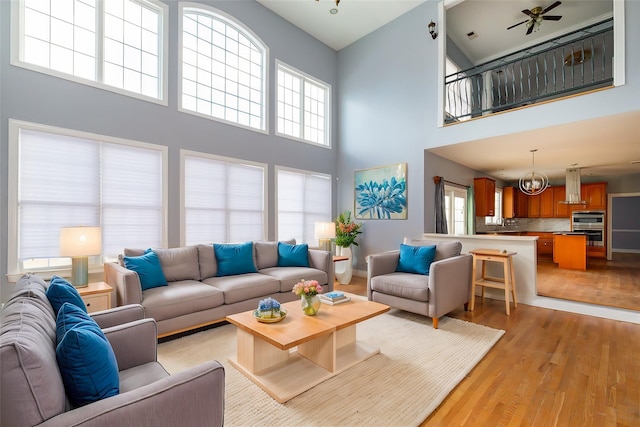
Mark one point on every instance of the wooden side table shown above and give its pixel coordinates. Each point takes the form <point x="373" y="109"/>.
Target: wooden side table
<point x="508" y="282"/>
<point x="97" y="296"/>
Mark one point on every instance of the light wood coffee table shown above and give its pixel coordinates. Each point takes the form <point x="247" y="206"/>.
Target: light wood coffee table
<point x="291" y="356"/>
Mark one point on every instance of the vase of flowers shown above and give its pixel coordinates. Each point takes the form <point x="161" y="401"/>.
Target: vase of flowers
<point x="346" y="230"/>
<point x="308" y="291"/>
<point x="346" y="233"/>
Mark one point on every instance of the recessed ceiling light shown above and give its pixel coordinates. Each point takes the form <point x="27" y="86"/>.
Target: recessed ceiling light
<point x="333" y="11"/>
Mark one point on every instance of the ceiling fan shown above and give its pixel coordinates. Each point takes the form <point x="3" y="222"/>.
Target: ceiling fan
<point x="536" y="16"/>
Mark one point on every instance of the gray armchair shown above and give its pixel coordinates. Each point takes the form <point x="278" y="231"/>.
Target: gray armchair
<point x="32" y="392"/>
<point x="447" y="287"/>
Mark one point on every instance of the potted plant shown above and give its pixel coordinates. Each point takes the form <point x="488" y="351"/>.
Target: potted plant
<point x="346" y="232"/>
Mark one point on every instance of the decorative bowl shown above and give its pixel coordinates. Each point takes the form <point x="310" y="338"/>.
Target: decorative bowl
<point x="283" y="314"/>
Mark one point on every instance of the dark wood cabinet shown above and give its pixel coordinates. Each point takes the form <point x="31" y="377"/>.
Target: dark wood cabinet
<point x="544" y="244"/>
<point x="485" y="196"/>
<point x="514" y="203"/>
<point x="561" y="210"/>
<point x="595" y="194"/>
<point x="534" y="206"/>
<point x="546" y="203"/>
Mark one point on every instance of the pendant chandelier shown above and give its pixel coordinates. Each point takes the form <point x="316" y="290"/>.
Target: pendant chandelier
<point x="533" y="183"/>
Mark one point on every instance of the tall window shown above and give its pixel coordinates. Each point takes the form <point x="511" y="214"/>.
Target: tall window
<point x="458" y="92"/>
<point x="303" y="106"/>
<point x="65" y="178"/>
<point x="497" y="218"/>
<point x="223" y="199"/>
<point x="224" y="69"/>
<point x="455" y="200"/>
<point x="303" y="199"/>
<point x="115" y="44"/>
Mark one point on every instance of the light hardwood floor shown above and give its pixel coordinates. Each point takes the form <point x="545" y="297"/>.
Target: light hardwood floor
<point x="551" y="368"/>
<point x="614" y="283"/>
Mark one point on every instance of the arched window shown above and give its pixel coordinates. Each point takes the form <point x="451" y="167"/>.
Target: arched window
<point x="223" y="70"/>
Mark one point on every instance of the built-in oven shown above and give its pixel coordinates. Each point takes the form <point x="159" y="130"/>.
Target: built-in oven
<point x="590" y="223"/>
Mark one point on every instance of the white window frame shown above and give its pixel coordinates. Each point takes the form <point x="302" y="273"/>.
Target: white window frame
<point x="453" y="192"/>
<point x="17" y="51"/>
<point x="206" y="156"/>
<point x="13" y="264"/>
<point x="496" y="219"/>
<point x="309" y="225"/>
<point x="281" y="66"/>
<point x="246" y="32"/>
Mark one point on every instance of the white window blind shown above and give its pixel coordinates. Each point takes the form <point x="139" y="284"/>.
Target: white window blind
<point x="223" y="69"/>
<point x="223" y="200"/>
<point x="303" y="106"/>
<point x="304" y="198"/>
<point x="64" y="180"/>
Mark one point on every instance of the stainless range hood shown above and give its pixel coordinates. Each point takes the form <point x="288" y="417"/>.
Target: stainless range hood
<point x="572" y="188"/>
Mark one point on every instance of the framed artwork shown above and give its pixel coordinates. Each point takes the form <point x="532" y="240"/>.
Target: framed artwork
<point x="381" y="193"/>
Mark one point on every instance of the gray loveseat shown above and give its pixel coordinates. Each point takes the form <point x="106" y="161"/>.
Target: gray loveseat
<point x="196" y="297"/>
<point x="32" y="389"/>
<point x="445" y="288"/>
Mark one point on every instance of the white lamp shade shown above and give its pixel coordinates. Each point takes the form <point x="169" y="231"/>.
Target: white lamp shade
<point x="325" y="230"/>
<point x="80" y="241"/>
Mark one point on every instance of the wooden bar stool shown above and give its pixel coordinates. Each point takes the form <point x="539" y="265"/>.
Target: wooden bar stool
<point x="508" y="283"/>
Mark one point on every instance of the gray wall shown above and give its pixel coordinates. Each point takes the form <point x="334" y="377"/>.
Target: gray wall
<point x="388" y="113"/>
<point x="39" y="98"/>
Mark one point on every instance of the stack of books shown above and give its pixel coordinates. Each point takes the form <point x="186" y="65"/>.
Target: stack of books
<point x="334" y="297"/>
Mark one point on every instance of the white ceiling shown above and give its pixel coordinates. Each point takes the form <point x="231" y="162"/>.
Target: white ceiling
<point x="354" y="20"/>
<point x="604" y="147"/>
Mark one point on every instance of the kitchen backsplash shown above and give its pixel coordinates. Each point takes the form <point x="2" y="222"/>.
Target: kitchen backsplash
<point x="526" y="224"/>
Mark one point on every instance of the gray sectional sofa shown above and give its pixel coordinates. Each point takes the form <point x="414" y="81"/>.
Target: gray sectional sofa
<point x="32" y="386"/>
<point x="196" y="296"/>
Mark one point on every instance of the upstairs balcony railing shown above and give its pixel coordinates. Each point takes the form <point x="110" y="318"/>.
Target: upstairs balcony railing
<point x="576" y="62"/>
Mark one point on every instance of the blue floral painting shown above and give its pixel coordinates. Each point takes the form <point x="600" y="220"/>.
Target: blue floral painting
<point x="381" y="193"/>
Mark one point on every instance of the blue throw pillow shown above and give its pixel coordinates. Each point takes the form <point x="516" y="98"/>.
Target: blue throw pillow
<point x="61" y="291"/>
<point x="234" y="258"/>
<point x="293" y="255"/>
<point x="148" y="268"/>
<point x="85" y="358"/>
<point x="416" y="259"/>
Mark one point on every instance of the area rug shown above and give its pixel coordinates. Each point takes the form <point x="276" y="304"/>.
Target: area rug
<point x="417" y="368"/>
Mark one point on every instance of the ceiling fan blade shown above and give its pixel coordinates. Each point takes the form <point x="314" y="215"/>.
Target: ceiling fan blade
<point x="515" y="25"/>
<point x="528" y="13"/>
<point x="556" y="4"/>
<point x="552" y="18"/>
<point x="530" y="30"/>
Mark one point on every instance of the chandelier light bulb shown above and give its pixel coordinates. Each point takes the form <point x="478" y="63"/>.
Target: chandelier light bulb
<point x="533" y="183"/>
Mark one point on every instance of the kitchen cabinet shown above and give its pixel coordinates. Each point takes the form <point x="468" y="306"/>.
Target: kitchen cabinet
<point x="485" y="196"/>
<point x="514" y="203"/>
<point x="570" y="251"/>
<point x="544" y="244"/>
<point x="561" y="210"/>
<point x="595" y="194"/>
<point x="533" y="210"/>
<point x="546" y="203"/>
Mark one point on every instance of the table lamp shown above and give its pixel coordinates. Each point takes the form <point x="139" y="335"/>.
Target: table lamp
<point x="79" y="243"/>
<point x="325" y="231"/>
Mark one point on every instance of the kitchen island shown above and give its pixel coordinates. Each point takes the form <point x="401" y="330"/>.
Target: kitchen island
<point x="570" y="250"/>
<point x="525" y="267"/>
